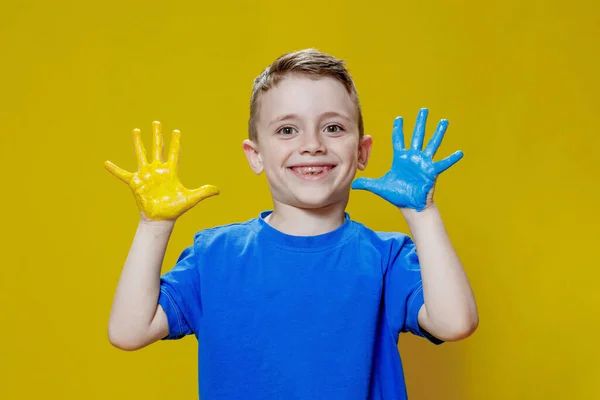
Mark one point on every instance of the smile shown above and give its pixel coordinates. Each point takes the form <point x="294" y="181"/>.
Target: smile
<point x="312" y="172"/>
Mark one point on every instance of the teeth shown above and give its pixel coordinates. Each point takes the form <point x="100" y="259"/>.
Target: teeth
<point x="312" y="170"/>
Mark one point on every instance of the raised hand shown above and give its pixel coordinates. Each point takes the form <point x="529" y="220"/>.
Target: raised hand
<point x="158" y="192"/>
<point x="411" y="179"/>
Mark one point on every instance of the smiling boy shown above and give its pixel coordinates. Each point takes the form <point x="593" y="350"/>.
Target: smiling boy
<point x="301" y="302"/>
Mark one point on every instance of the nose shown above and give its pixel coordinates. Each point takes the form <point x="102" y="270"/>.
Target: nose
<point x="312" y="143"/>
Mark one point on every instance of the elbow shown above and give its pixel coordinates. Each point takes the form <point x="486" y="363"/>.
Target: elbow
<point x="122" y="341"/>
<point x="451" y="326"/>
<point x="465" y="330"/>
<point x="460" y="329"/>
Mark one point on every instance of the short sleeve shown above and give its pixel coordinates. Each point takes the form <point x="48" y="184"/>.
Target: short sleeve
<point x="404" y="290"/>
<point x="179" y="295"/>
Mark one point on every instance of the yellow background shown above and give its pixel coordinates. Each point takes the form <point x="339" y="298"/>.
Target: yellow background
<point x="517" y="80"/>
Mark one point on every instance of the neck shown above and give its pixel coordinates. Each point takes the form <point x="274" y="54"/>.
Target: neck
<point x="306" y="221"/>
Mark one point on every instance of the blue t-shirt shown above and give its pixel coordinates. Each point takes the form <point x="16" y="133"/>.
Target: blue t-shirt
<point x="295" y="317"/>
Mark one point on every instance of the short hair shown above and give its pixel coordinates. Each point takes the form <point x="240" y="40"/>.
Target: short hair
<point x="309" y="62"/>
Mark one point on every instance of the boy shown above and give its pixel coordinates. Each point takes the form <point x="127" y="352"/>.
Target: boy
<point x="301" y="302"/>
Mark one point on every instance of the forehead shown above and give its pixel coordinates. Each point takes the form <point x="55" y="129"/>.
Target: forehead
<point x="306" y="97"/>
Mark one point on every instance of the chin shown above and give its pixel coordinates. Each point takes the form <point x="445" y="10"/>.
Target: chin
<point x="316" y="200"/>
<point x="311" y="205"/>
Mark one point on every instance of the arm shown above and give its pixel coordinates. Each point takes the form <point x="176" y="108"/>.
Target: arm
<point x="136" y="318"/>
<point x="449" y="311"/>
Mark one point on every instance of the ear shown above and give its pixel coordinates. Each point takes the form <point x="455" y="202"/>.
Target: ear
<point x="253" y="156"/>
<point x="364" y="151"/>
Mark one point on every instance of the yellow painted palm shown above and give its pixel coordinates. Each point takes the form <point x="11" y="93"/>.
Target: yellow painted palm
<point x="158" y="192"/>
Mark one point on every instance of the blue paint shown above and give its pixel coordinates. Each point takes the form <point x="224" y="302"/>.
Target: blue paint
<point x="413" y="172"/>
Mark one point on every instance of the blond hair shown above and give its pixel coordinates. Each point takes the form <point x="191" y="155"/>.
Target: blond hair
<point x="309" y="62"/>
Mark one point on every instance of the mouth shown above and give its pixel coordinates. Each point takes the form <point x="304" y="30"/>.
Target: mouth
<point x="312" y="172"/>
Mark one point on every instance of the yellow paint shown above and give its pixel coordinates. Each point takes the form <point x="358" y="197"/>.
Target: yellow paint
<point x="158" y="192"/>
<point x="518" y="81"/>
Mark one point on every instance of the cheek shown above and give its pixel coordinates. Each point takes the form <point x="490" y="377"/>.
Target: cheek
<point x="350" y="151"/>
<point x="274" y="157"/>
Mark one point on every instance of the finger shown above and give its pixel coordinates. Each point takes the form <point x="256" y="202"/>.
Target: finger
<point x="120" y="173"/>
<point x="398" y="134"/>
<point x="365" y="184"/>
<point x="140" y="151"/>
<point x="437" y="138"/>
<point x="419" y="132"/>
<point x="447" y="162"/>
<point x="201" y="193"/>
<point x="174" y="150"/>
<point x="157" y="142"/>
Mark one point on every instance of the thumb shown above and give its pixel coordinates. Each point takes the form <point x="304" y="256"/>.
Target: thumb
<point x="201" y="193"/>
<point x="365" y="184"/>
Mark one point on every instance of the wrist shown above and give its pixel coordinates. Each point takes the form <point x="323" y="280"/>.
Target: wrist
<point x="160" y="225"/>
<point x="414" y="216"/>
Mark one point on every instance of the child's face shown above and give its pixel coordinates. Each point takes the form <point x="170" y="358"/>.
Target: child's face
<point x="308" y="142"/>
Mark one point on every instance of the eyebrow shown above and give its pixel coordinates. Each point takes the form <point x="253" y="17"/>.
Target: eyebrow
<point x="327" y="114"/>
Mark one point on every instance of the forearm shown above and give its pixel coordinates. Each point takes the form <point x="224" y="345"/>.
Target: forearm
<point x="136" y="298"/>
<point x="450" y="312"/>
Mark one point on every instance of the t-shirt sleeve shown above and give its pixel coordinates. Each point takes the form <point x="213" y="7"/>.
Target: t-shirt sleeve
<point x="179" y="295"/>
<point x="404" y="290"/>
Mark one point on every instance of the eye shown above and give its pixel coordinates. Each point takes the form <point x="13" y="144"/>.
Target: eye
<point x="334" y="129"/>
<point x="286" y="131"/>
